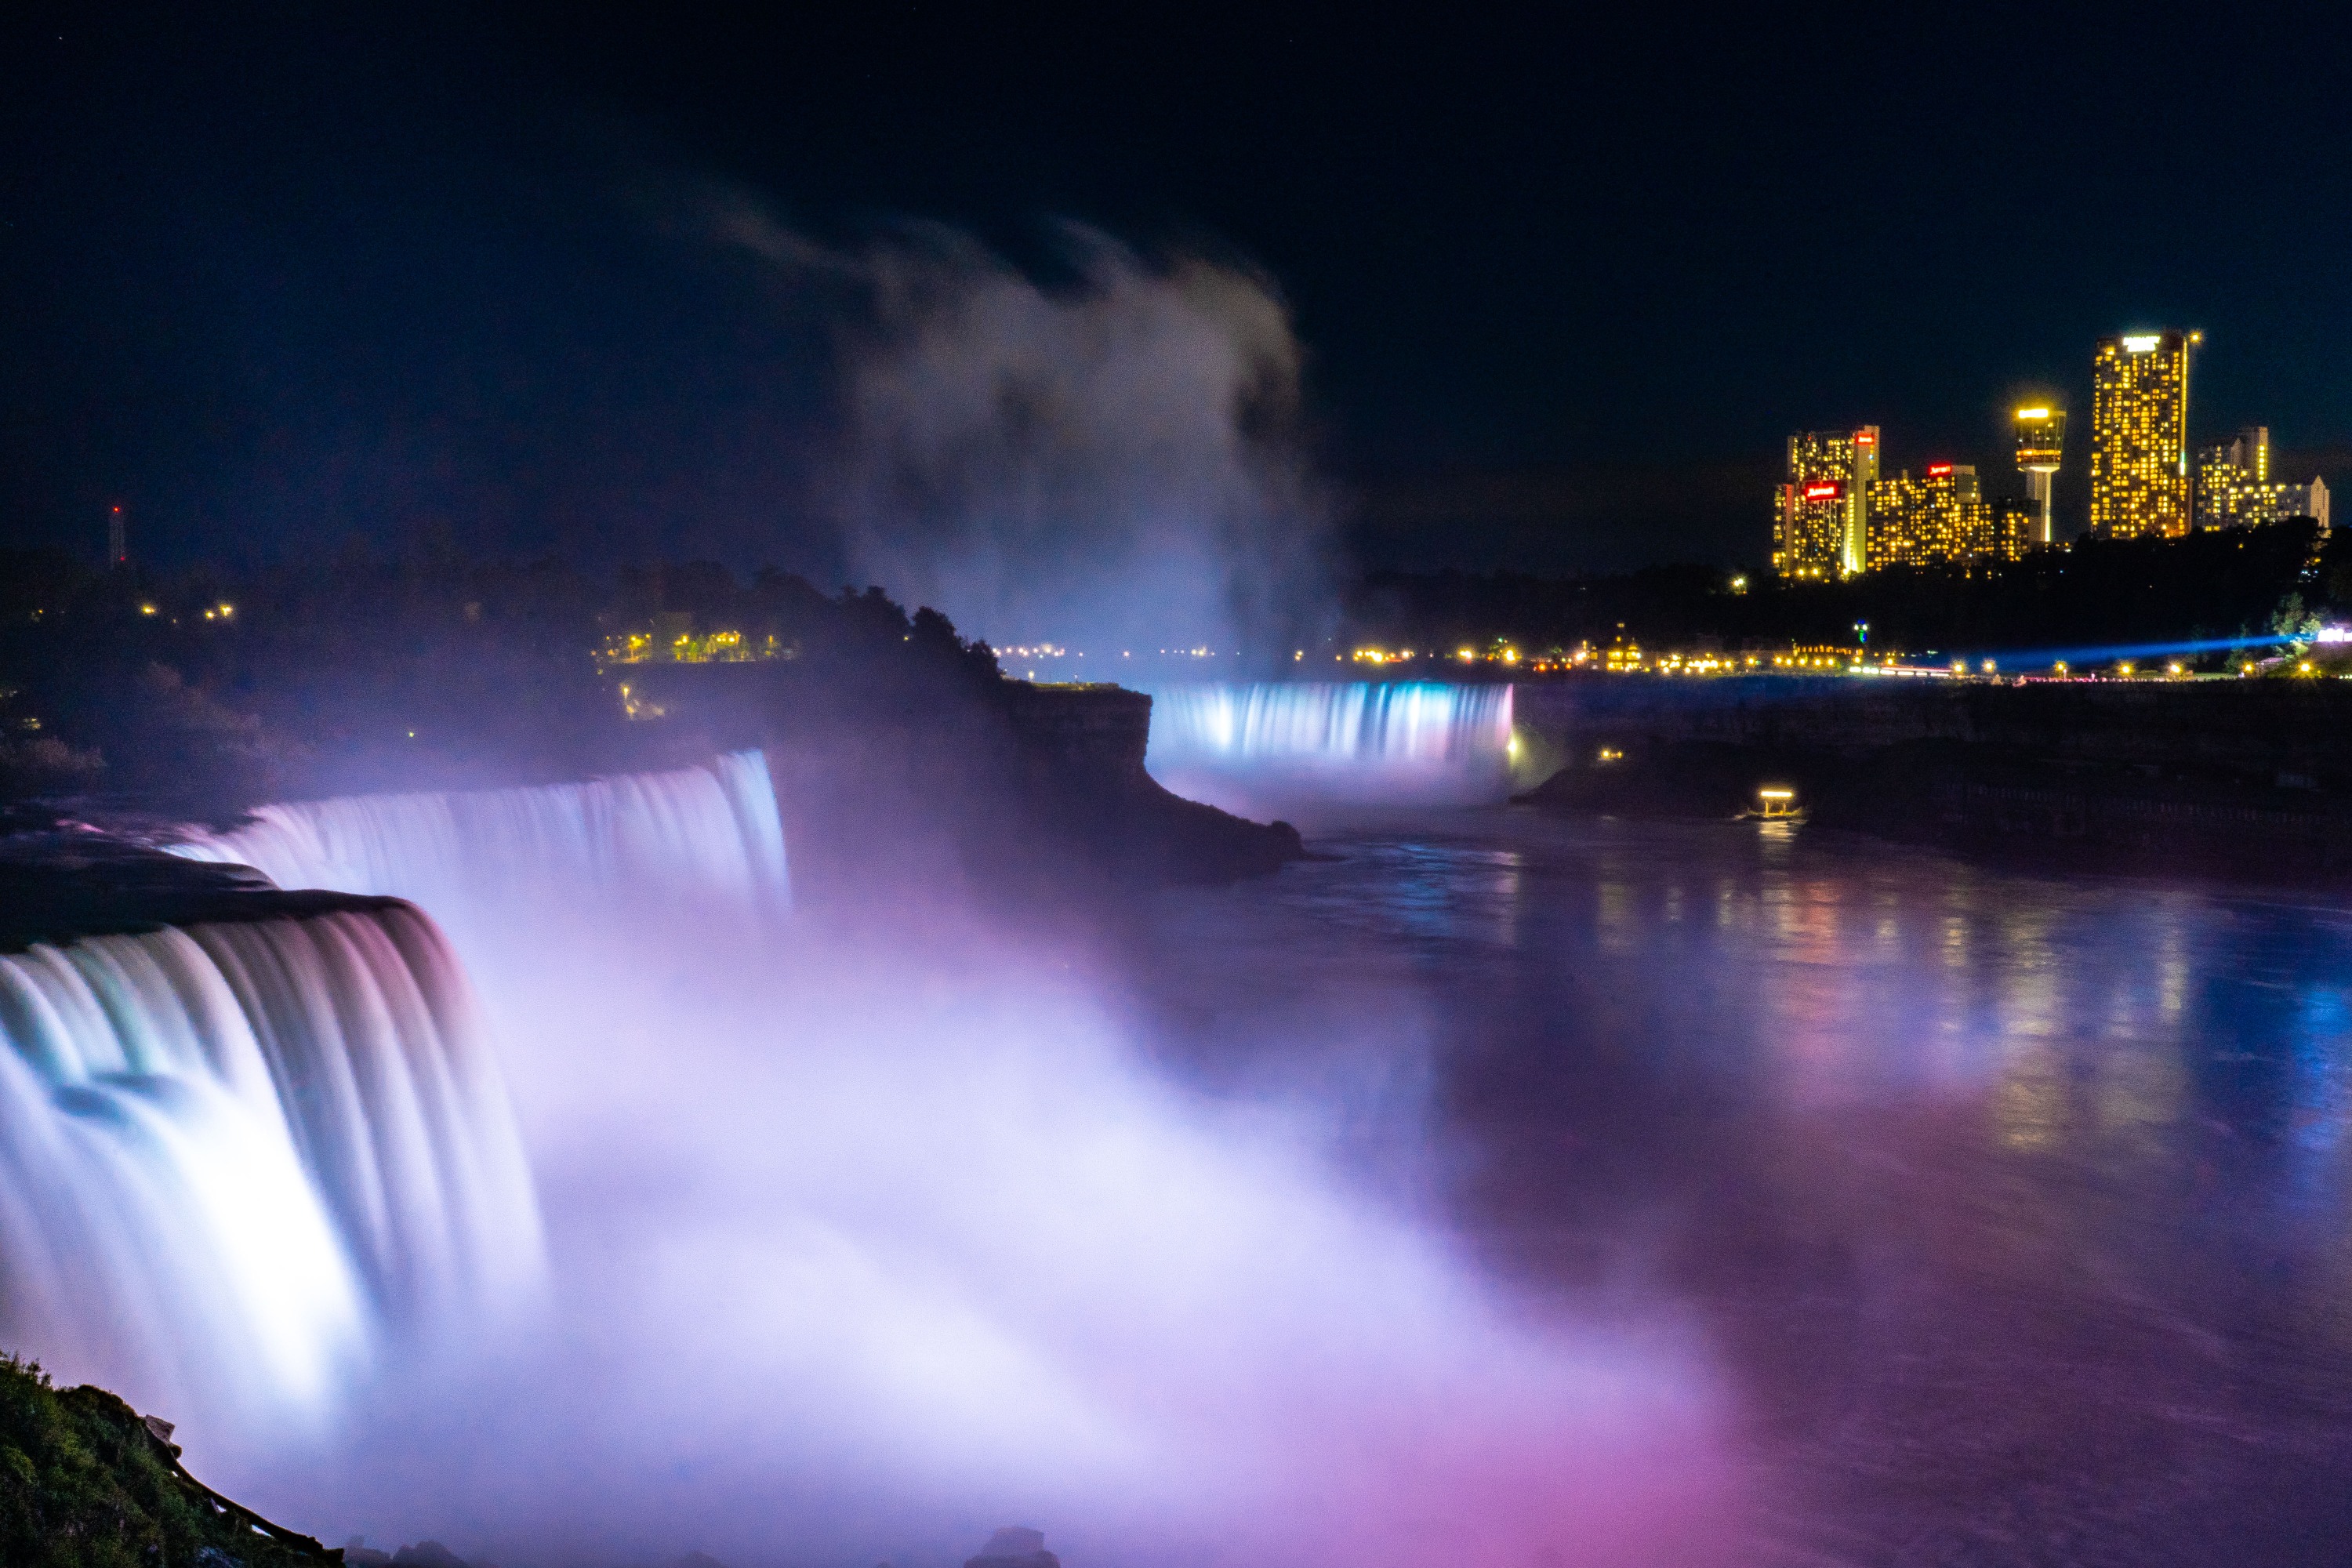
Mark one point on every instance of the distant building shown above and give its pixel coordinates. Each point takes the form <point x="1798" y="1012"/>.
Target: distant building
<point x="2041" y="438"/>
<point x="2250" y="454"/>
<point x="2235" y="490"/>
<point x="1819" y="526"/>
<point x="2308" y="500"/>
<point x="2232" y="477"/>
<point x="1939" y="518"/>
<point x="2018" y="526"/>
<point x="118" y="544"/>
<point x="2140" y="434"/>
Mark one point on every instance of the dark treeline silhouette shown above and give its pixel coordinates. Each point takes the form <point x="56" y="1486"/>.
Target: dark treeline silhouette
<point x="2223" y="583"/>
<point x="202" y="689"/>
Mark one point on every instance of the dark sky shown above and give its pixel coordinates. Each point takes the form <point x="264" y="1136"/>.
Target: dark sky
<point x="1566" y="276"/>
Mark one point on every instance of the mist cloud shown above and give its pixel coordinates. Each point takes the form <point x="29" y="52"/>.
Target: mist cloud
<point x="1111" y="462"/>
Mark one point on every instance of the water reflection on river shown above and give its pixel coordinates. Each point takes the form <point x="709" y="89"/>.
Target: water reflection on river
<point x="2014" y="1207"/>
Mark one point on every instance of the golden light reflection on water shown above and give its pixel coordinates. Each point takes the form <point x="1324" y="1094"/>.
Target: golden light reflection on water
<point x="1509" y="895"/>
<point x="2029" y="1104"/>
<point x="2017" y="1002"/>
<point x="2134" y="1089"/>
<point x="2061" y="1142"/>
<point x="1615" y="917"/>
<point x="1953" y="947"/>
<point x="2172" y="966"/>
<point x="2067" y="1017"/>
<point x="1964" y="986"/>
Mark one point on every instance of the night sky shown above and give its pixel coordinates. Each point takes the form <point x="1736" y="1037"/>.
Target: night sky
<point x="1566" y="280"/>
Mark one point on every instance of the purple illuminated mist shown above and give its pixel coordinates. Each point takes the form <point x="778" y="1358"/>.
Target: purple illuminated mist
<point x="865" y="1235"/>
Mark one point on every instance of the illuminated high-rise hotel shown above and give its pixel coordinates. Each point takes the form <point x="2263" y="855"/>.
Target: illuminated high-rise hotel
<point x="2140" y="434"/>
<point x="1941" y="518"/>
<point x="2234" y="487"/>
<point x="2232" y="480"/>
<point x="2040" y="438"/>
<point x="1822" y="513"/>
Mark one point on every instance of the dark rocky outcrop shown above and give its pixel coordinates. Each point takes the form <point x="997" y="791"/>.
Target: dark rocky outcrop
<point x="1014" y="1546"/>
<point x="357" y="1554"/>
<point x="66" y="880"/>
<point x="1080" y="752"/>
<point x="85" y="1482"/>
<point x="430" y="1554"/>
<point x="904" y="739"/>
<point x="1011" y="785"/>
<point x="899" y="741"/>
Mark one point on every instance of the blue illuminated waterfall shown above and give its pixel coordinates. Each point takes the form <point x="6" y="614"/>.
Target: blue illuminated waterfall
<point x="241" y="1162"/>
<point x="1246" y="744"/>
<point x="236" y="1158"/>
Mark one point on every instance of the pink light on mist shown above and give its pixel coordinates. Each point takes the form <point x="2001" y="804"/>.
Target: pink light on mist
<point x="863" y="1242"/>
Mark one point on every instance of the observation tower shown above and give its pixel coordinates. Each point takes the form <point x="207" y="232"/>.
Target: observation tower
<point x="2041" y="435"/>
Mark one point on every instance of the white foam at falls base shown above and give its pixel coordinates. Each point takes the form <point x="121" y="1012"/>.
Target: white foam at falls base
<point x="1238" y="744"/>
<point x="236" y="1158"/>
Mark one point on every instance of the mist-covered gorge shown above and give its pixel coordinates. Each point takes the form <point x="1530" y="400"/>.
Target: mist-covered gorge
<point x="875" y="1218"/>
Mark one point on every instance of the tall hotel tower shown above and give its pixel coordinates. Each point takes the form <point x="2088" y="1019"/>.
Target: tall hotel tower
<point x="2140" y="434"/>
<point x="1822" y="514"/>
<point x="2040" y="438"/>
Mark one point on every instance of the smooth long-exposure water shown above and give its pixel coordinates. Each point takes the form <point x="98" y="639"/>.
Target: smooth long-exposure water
<point x="873" y="1227"/>
<point x="1495" y="1188"/>
<point x="2012" y="1208"/>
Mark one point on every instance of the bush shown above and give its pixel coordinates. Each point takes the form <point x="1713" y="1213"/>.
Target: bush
<point x="84" y="1483"/>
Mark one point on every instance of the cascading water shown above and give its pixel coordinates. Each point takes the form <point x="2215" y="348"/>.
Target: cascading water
<point x="636" y="846"/>
<point x="236" y="1159"/>
<point x="871" y="1239"/>
<point x="1245" y="744"/>
<point x="242" y="1159"/>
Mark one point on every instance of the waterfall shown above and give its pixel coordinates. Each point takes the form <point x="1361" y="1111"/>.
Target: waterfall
<point x="910" y="1219"/>
<point x="237" y="1159"/>
<point x="638" y="845"/>
<point x="1363" y="741"/>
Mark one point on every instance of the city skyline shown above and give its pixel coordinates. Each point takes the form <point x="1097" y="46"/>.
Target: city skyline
<point x="1835" y="515"/>
<point x="276" y="284"/>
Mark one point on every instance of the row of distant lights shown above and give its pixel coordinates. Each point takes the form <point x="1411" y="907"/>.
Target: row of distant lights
<point x="225" y="610"/>
<point x="1050" y="650"/>
<point x="1405" y="656"/>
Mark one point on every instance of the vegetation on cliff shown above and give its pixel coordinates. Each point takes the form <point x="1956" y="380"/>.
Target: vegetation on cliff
<point x="202" y="692"/>
<point x="198" y="696"/>
<point x="86" y="1483"/>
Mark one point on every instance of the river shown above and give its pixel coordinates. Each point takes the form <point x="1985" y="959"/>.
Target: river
<point x="1496" y="1187"/>
<point x="2010" y="1209"/>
